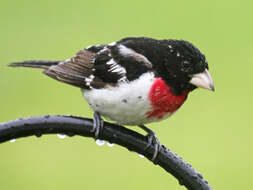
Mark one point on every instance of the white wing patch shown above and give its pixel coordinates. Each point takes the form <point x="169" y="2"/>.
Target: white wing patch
<point x="89" y="79"/>
<point x="112" y="44"/>
<point x="125" y="51"/>
<point x="103" y="50"/>
<point x="116" y="68"/>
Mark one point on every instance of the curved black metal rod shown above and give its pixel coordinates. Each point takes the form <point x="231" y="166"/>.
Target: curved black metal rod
<point x="113" y="133"/>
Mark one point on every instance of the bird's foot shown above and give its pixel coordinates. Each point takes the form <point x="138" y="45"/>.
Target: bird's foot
<point x="98" y="124"/>
<point x="152" y="140"/>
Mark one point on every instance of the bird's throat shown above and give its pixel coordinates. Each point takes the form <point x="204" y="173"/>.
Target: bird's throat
<point x="163" y="100"/>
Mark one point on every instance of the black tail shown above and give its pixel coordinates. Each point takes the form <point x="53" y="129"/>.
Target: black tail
<point x="42" y="64"/>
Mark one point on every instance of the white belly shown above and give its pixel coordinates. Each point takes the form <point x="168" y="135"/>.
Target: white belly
<point x="126" y="104"/>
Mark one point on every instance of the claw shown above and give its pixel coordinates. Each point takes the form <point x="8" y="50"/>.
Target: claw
<point x="152" y="139"/>
<point x="98" y="124"/>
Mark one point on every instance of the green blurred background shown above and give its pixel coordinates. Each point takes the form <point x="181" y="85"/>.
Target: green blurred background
<point x="212" y="131"/>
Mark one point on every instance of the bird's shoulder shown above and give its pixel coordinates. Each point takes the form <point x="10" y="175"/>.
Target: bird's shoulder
<point x="118" y="62"/>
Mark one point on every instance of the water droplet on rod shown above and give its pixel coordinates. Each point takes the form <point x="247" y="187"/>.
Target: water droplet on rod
<point x="61" y="136"/>
<point x="100" y="142"/>
<point x="141" y="156"/>
<point x="12" y="140"/>
<point x="110" y="144"/>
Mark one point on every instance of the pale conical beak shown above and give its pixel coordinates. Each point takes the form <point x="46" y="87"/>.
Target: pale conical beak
<point x="203" y="80"/>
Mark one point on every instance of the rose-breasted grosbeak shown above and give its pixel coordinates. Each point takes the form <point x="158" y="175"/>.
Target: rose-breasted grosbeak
<point x="133" y="81"/>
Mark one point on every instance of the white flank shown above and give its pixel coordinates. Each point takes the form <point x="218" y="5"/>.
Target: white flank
<point x="125" y="51"/>
<point x="126" y="103"/>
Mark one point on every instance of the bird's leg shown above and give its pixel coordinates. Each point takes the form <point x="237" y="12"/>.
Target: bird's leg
<point x="98" y="124"/>
<point x="152" y="139"/>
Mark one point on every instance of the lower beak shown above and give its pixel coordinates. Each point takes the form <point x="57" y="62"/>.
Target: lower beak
<point x="203" y="80"/>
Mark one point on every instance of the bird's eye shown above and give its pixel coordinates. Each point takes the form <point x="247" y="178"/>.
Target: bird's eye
<point x="186" y="66"/>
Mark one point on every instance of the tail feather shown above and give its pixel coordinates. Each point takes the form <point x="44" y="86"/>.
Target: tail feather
<point x="42" y="64"/>
<point x="77" y="71"/>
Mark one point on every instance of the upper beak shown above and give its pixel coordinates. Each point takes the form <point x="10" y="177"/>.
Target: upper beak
<point x="203" y="80"/>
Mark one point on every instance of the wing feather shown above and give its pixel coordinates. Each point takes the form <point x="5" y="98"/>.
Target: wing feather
<point x="101" y="66"/>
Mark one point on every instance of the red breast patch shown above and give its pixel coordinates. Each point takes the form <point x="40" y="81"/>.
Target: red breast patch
<point x="164" y="101"/>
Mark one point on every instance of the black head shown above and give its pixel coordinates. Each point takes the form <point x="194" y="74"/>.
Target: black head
<point x="178" y="62"/>
<point x="183" y="66"/>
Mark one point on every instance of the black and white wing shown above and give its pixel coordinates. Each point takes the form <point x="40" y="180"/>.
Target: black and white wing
<point x="101" y="66"/>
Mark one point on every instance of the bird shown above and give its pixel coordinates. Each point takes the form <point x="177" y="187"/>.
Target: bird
<point x="133" y="81"/>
